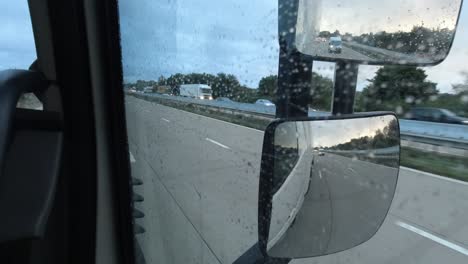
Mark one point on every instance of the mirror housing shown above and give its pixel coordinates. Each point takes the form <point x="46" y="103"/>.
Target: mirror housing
<point x="403" y="32"/>
<point x="321" y="192"/>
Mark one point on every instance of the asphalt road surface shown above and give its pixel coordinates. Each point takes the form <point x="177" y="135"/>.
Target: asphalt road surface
<point x="352" y="196"/>
<point x="201" y="185"/>
<point x="320" y="48"/>
<point x="394" y="56"/>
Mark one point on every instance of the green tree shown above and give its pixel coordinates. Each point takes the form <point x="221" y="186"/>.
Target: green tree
<point x="461" y="88"/>
<point x="175" y="80"/>
<point x="162" y="80"/>
<point x="321" y="92"/>
<point x="141" y="84"/>
<point x="419" y="40"/>
<point x="268" y="85"/>
<point x="324" y="34"/>
<point x="336" y="33"/>
<point x="224" y="85"/>
<point x="199" y="78"/>
<point x="397" y="86"/>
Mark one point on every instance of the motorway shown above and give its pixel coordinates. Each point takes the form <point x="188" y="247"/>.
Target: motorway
<point x="201" y="185"/>
<point x="437" y="132"/>
<point x="352" y="196"/>
<point x="395" y="56"/>
<point x="320" y="49"/>
<point x="356" y="51"/>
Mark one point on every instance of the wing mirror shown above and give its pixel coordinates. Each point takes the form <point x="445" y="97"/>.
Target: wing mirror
<point x="409" y="32"/>
<point x="326" y="184"/>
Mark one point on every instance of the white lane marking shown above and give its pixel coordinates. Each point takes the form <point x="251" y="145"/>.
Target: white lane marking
<point x="132" y="158"/>
<point x="435" y="176"/>
<point x="217" y="143"/>
<point x="433" y="237"/>
<point x="164" y="119"/>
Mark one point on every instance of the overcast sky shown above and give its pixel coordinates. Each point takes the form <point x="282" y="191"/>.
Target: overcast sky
<point x="232" y="36"/>
<point x="16" y="40"/>
<point x="324" y="132"/>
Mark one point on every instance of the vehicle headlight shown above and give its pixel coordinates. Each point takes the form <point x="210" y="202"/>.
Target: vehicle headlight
<point x="201" y="97"/>
<point x="465" y="122"/>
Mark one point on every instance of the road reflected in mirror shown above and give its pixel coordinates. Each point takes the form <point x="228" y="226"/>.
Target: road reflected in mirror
<point x="377" y="32"/>
<point x="333" y="186"/>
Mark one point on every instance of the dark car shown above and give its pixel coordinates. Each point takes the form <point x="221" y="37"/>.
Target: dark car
<point x="335" y="45"/>
<point x="435" y="115"/>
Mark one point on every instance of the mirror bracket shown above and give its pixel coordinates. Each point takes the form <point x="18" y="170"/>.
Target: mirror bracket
<point x="294" y="79"/>
<point x="344" y="89"/>
<point x="295" y="68"/>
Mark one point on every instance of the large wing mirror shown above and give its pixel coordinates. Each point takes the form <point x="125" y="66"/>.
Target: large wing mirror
<point x="410" y="32"/>
<point x="326" y="184"/>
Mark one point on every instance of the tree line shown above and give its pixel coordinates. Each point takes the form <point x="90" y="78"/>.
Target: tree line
<point x="418" y="39"/>
<point x="227" y="85"/>
<point x="387" y="137"/>
<point x="393" y="88"/>
<point x="222" y="84"/>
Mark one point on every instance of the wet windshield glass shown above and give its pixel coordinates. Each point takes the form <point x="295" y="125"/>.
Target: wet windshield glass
<point x="200" y="156"/>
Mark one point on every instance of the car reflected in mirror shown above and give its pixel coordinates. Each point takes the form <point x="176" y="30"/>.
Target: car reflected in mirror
<point x="326" y="185"/>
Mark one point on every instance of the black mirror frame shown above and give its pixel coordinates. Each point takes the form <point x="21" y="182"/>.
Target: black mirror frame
<point x="265" y="195"/>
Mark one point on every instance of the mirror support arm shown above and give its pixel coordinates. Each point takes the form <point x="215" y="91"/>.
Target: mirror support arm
<point x="294" y="70"/>
<point x="344" y="89"/>
<point x="294" y="81"/>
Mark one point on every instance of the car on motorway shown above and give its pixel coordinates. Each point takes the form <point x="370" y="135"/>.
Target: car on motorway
<point x="335" y="45"/>
<point x="432" y="114"/>
<point x="264" y="102"/>
<point x="320" y="39"/>
<point x="148" y="90"/>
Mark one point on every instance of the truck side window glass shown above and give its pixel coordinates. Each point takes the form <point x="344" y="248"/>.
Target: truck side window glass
<point x="201" y="85"/>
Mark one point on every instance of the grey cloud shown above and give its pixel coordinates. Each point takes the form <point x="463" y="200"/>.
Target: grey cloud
<point x="237" y="37"/>
<point x="168" y="36"/>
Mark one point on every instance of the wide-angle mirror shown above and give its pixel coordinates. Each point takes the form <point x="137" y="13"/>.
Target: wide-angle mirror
<point x="326" y="185"/>
<point x="411" y="32"/>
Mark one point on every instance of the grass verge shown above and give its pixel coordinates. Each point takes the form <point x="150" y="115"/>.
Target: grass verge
<point x="445" y="165"/>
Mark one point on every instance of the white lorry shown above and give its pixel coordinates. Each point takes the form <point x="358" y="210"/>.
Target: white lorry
<point x="200" y="91"/>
